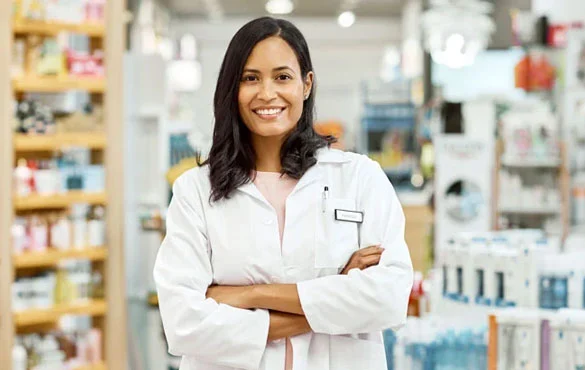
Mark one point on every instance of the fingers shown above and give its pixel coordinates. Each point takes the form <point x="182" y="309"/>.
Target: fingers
<point x="368" y="261"/>
<point x="375" y="249"/>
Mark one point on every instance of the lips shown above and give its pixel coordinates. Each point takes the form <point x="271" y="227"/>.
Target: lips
<point x="268" y="113"/>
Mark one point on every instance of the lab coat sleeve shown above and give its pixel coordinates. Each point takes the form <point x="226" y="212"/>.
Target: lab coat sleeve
<point x="195" y="326"/>
<point x="376" y="298"/>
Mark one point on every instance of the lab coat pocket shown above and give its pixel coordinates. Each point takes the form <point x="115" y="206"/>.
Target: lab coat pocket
<point x="335" y="240"/>
<point x="348" y="353"/>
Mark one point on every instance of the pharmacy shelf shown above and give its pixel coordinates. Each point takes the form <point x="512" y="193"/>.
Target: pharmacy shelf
<point x="531" y="163"/>
<point x="47" y="316"/>
<point x="37" y="202"/>
<point x="97" y="366"/>
<point x="39" y="143"/>
<point x="52" y="257"/>
<point x="530" y="210"/>
<point x="21" y="27"/>
<point x="58" y="84"/>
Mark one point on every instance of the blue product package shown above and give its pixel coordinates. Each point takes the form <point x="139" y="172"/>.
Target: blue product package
<point x="94" y="178"/>
<point x="389" y="342"/>
<point x="560" y="291"/>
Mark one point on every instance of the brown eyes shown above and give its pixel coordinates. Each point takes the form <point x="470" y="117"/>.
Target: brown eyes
<point x="253" y="78"/>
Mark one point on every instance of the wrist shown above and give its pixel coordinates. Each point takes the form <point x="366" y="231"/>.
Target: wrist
<point x="255" y="296"/>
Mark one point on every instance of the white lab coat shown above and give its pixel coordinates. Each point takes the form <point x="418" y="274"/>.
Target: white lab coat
<point x="236" y="242"/>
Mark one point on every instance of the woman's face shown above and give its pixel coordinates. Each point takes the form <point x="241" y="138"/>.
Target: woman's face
<point x="272" y="89"/>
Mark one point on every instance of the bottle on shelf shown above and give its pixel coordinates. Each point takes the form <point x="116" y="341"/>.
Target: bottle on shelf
<point x="22" y="178"/>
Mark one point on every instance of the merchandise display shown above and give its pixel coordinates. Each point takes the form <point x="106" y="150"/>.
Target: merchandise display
<point x="539" y="339"/>
<point x="61" y="138"/>
<point x="49" y="114"/>
<point x="83" y="227"/>
<point x="519" y="268"/>
<point x="532" y="174"/>
<point x="66" y="11"/>
<point x="73" y="282"/>
<point x="437" y="343"/>
<point x="74" y="345"/>
<point x="71" y="171"/>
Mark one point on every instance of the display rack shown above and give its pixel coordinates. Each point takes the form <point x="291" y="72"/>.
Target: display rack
<point x="110" y="313"/>
<point x="560" y="166"/>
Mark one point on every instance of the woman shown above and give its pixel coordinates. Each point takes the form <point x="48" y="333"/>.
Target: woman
<point x="239" y="288"/>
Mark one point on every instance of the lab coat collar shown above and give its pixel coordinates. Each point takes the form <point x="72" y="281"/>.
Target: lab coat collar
<point x="328" y="155"/>
<point x="313" y="174"/>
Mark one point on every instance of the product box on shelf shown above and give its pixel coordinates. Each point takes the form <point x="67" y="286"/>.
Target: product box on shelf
<point x="519" y="332"/>
<point x="512" y="269"/>
<point x="539" y="339"/>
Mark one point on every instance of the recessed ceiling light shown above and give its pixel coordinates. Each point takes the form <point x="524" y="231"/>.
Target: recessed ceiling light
<point x="279" y="6"/>
<point x="346" y="19"/>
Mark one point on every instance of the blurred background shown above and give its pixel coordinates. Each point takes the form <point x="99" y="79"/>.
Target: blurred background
<point x="475" y="109"/>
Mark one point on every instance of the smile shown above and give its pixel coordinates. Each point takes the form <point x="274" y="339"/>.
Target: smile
<point x="268" y="113"/>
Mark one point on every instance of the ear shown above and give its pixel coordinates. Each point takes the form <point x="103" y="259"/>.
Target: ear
<point x="308" y="85"/>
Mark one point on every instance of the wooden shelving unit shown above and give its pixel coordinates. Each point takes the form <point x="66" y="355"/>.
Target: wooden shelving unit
<point x="53" y="28"/>
<point x="36" y="201"/>
<point x="110" y="313"/>
<point x="100" y="366"/>
<point x="53" y="256"/>
<point x="40" y="143"/>
<point x="58" y="84"/>
<point x="46" y="316"/>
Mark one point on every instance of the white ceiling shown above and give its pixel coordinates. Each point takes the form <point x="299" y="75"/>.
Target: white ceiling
<point x="303" y="8"/>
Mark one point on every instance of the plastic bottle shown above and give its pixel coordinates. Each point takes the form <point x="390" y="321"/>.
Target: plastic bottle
<point x="22" y="178"/>
<point x="19" y="358"/>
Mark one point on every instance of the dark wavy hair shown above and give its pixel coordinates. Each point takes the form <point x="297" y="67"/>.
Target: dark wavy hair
<point x="232" y="159"/>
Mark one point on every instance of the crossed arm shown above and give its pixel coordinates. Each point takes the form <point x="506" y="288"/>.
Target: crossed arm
<point x="287" y="318"/>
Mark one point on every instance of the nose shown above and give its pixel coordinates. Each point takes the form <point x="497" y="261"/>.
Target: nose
<point x="267" y="91"/>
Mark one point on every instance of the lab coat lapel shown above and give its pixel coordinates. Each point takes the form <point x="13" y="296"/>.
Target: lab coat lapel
<point x="313" y="174"/>
<point x="253" y="191"/>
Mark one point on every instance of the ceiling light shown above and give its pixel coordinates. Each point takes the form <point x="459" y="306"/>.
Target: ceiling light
<point x="346" y="19"/>
<point x="456" y="44"/>
<point x="279" y="6"/>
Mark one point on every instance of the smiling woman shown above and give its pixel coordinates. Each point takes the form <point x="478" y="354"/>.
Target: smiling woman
<point x="264" y="97"/>
<point x="279" y="247"/>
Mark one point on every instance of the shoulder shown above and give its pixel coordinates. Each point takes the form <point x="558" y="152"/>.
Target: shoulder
<point x="354" y="163"/>
<point x="193" y="182"/>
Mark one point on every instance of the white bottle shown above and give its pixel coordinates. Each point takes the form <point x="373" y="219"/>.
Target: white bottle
<point x="18" y="232"/>
<point x="19" y="360"/>
<point x="79" y="223"/>
<point x="22" y="176"/>
<point x="96" y="229"/>
<point x="61" y="234"/>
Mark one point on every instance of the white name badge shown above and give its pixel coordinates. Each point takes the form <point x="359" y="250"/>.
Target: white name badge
<point x="349" y="216"/>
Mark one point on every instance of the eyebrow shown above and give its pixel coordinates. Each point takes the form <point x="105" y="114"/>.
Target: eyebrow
<point x="277" y="69"/>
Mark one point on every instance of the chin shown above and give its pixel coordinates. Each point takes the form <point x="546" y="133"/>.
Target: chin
<point x="273" y="131"/>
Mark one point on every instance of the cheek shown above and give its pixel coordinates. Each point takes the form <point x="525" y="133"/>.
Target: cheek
<point x="296" y="101"/>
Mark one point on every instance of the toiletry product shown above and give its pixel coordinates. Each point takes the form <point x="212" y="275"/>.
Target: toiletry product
<point x="61" y="233"/>
<point x="39" y="234"/>
<point x="46" y="180"/>
<point x="19" y="237"/>
<point x="22" y="178"/>
<point x="97" y="228"/>
<point x="79" y="223"/>
<point x="94" y="338"/>
<point x="19" y="357"/>
<point x="97" y="286"/>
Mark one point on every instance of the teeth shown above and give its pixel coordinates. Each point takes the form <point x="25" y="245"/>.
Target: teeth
<point x="269" y="111"/>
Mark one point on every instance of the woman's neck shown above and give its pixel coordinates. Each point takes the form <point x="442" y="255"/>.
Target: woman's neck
<point x="267" y="153"/>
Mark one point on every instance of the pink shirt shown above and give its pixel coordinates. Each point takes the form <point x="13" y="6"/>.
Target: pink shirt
<point x="276" y="189"/>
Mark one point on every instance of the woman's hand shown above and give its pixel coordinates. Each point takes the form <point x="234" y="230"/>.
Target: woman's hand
<point x="364" y="258"/>
<point x="235" y="296"/>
